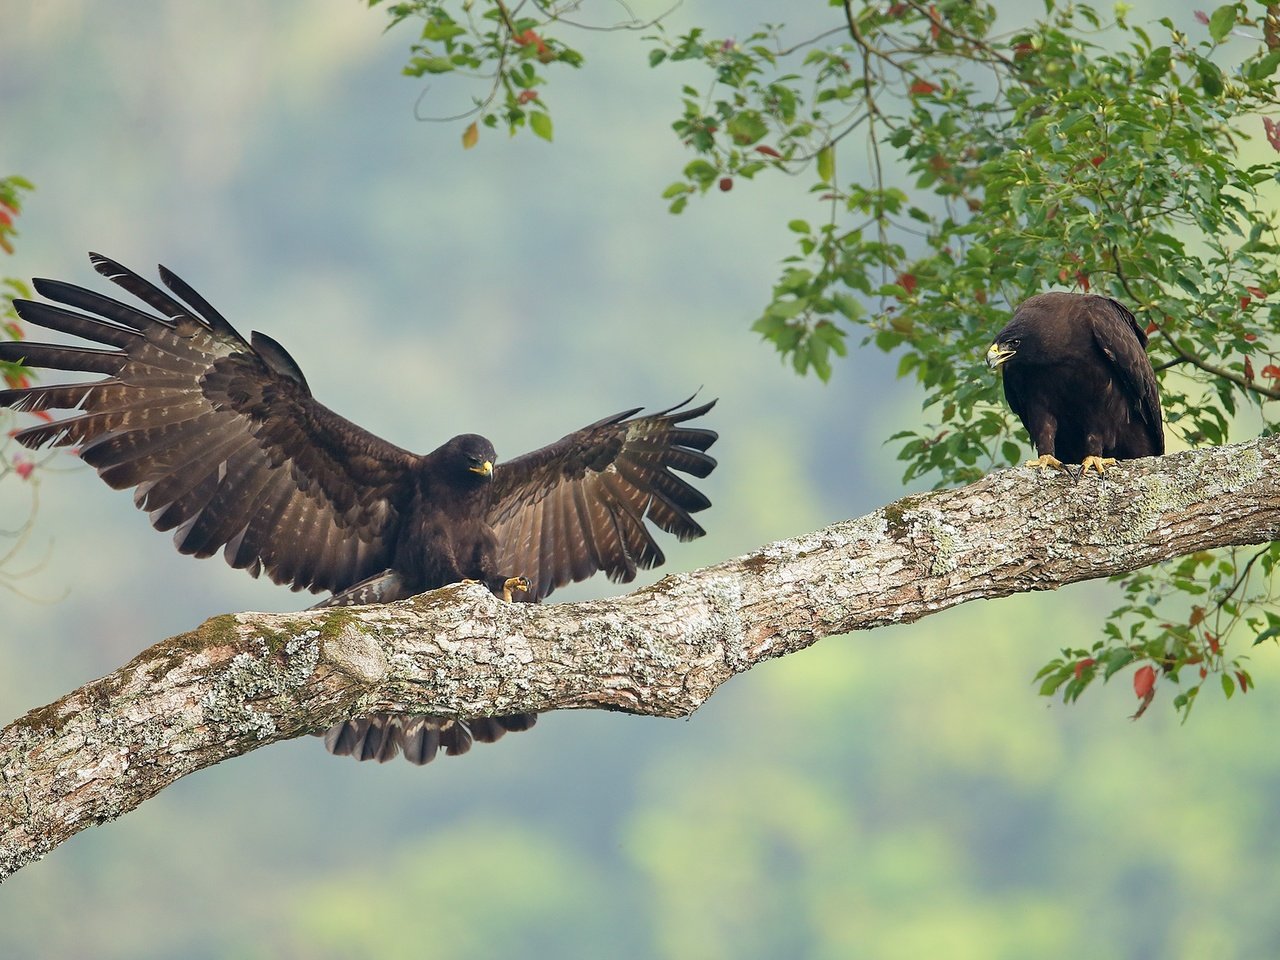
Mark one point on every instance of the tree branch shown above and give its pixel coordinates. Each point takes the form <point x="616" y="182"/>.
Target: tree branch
<point x="241" y="681"/>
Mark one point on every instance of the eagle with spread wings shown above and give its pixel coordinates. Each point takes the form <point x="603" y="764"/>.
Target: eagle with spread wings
<point x="223" y="444"/>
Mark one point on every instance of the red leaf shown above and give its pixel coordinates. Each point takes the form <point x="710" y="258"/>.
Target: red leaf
<point x="528" y="37"/>
<point x="1097" y="161"/>
<point x="526" y="96"/>
<point x="1244" y="302"/>
<point x="1214" y="644"/>
<point x="23" y="467"/>
<point x="726" y="184"/>
<point x="1204" y="672"/>
<point x="935" y="30"/>
<point x="1248" y="370"/>
<point x="1273" y="132"/>
<point x="907" y="281"/>
<point x="1257" y="292"/>
<point x="1202" y="17"/>
<point x="1271" y="370"/>
<point x="1083" y="280"/>
<point x="1083" y="665"/>
<point x="5" y="219"/>
<point x="17" y="380"/>
<point x="1144" y="681"/>
<point x="1242" y="678"/>
<point x="921" y="88"/>
<point x="15" y="331"/>
<point x="1250" y="337"/>
<point x="1151" y="327"/>
<point x="44" y="415"/>
<point x="768" y="151"/>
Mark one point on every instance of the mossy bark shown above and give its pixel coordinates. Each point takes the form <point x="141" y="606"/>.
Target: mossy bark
<point x="244" y="680"/>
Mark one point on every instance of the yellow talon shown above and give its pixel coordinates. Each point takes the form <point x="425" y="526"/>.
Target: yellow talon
<point x="519" y="584"/>
<point x="1047" y="460"/>
<point x="1096" y="463"/>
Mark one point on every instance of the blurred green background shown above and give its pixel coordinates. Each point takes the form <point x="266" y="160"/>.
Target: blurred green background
<point x="891" y="795"/>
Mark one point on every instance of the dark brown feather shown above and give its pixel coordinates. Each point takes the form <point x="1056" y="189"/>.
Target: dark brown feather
<point x="1079" y="378"/>
<point x="599" y="485"/>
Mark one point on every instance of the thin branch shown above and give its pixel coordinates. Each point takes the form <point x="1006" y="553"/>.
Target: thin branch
<point x="1250" y="386"/>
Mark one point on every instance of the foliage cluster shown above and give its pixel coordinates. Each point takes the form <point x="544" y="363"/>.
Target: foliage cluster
<point x="1075" y="149"/>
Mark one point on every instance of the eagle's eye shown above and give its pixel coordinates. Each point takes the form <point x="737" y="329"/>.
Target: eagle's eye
<point x="1013" y="343"/>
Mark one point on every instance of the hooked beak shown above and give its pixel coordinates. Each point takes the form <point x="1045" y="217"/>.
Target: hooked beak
<point x="484" y="469"/>
<point x="997" y="355"/>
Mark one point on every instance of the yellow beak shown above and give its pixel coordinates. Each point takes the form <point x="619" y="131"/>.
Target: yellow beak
<point x="484" y="469"/>
<point x="996" y="355"/>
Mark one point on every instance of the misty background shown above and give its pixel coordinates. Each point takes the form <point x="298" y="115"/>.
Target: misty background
<point x="900" y="793"/>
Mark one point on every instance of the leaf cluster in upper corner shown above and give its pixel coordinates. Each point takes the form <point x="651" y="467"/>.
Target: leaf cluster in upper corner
<point x="495" y="43"/>
<point x="1083" y="151"/>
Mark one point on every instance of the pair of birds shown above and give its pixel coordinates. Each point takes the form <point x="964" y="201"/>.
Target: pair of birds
<point x="224" y="444"/>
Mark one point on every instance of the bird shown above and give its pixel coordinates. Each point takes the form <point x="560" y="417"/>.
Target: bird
<point x="223" y="443"/>
<point x="1077" y="375"/>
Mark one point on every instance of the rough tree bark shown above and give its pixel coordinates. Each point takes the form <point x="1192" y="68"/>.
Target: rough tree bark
<point x="241" y="681"/>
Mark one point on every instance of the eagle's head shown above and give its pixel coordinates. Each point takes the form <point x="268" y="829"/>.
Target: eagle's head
<point x="469" y="456"/>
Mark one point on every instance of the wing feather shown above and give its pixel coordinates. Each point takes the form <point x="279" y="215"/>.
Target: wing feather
<point x="1120" y="336"/>
<point x="219" y="436"/>
<point x="583" y="504"/>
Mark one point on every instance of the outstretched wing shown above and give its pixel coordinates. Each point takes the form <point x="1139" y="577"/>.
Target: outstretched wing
<point x="580" y="505"/>
<point x="1119" y="335"/>
<point x="221" y="438"/>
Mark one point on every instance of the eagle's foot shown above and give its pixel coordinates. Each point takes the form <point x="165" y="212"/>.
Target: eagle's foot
<point x="1047" y="460"/>
<point x="1097" y="463"/>
<point x="514" y="584"/>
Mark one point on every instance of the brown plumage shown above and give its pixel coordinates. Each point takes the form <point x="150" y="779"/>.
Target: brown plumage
<point x="1076" y="373"/>
<point x="224" y="444"/>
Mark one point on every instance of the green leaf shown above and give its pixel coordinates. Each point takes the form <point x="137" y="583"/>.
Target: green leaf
<point x="746" y="128"/>
<point x="1053" y="682"/>
<point x="827" y="163"/>
<point x="1228" y="686"/>
<point x="1266" y="66"/>
<point x="1210" y="76"/>
<point x="1267" y="634"/>
<point x="420" y="65"/>
<point x="540" y="123"/>
<point x="1223" y="19"/>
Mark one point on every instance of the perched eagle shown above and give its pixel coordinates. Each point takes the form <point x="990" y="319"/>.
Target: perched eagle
<point x="1076" y="373"/>
<point x="225" y="445"/>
